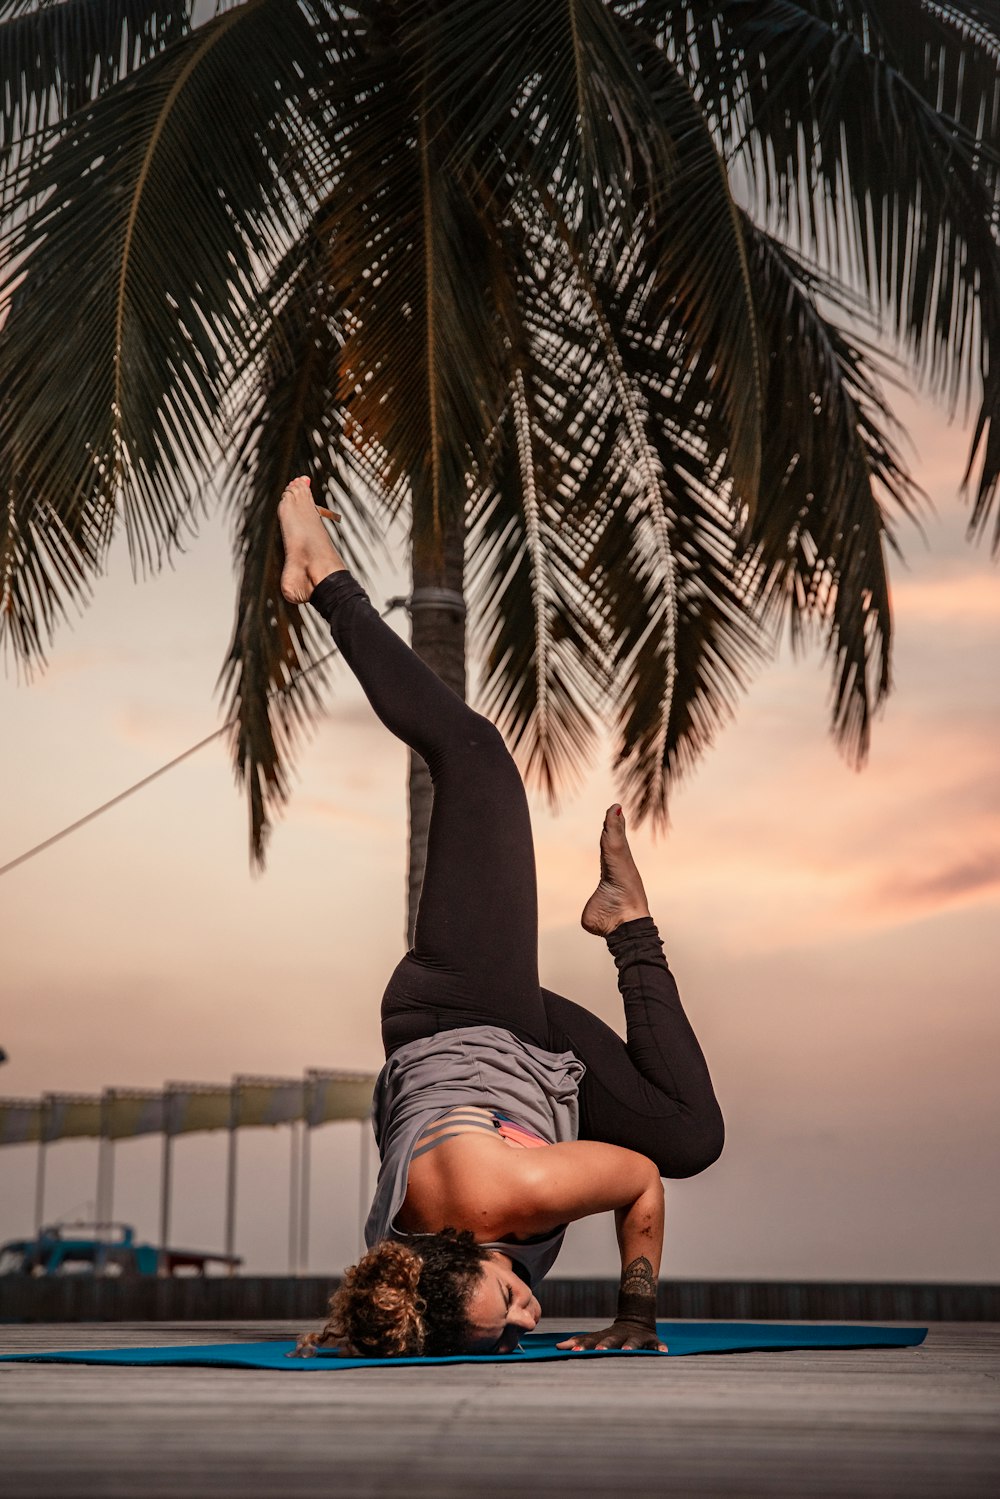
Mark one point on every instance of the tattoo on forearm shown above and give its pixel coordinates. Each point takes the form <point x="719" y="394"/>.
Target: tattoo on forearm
<point x="638" y="1278"/>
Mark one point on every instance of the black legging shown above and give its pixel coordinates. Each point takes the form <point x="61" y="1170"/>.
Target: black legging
<point x="474" y="959"/>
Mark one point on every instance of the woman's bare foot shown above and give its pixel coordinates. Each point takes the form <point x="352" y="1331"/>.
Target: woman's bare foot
<point x="310" y="555"/>
<point x="619" y="896"/>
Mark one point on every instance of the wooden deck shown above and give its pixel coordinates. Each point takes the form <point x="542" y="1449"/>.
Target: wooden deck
<point x="842" y="1425"/>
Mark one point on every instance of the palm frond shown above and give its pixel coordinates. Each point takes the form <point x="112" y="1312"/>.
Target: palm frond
<point x="123" y="313"/>
<point x="869" y="132"/>
<point x="818" y="542"/>
<point x="949" y="53"/>
<point x="419" y="376"/>
<point x="662" y="561"/>
<point x="850" y="145"/>
<point x="618" y="431"/>
<point x="552" y="84"/>
<point x="55" y="58"/>
<point x="541" y="642"/>
<point x="632" y="471"/>
<point x="289" y="424"/>
<point x="720" y="636"/>
<point x="633" y="462"/>
<point x="44" y="566"/>
<point x="694" y="245"/>
<point x="532" y="631"/>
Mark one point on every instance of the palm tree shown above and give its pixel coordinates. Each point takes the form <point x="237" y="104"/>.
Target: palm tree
<point x="595" y="289"/>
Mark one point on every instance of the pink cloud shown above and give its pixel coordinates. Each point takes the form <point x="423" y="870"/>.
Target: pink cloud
<point x="357" y="814"/>
<point x="809" y="851"/>
<point x="936" y="450"/>
<point x="906" y="895"/>
<point x="165" y="731"/>
<point x="962" y="596"/>
<point x="65" y="664"/>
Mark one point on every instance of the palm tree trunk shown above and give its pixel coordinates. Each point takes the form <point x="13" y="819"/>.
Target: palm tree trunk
<point x="437" y="634"/>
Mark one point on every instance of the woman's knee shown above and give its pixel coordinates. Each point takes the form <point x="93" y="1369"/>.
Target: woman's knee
<point x="701" y="1148"/>
<point x="484" y="747"/>
<point x="484" y="734"/>
<point x="709" y="1144"/>
<point x="712" y="1143"/>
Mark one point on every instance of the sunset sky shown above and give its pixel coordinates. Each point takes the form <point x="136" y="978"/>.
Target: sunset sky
<point x="834" y="934"/>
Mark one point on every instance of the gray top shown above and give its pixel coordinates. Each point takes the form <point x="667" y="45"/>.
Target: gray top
<point x="483" y="1065"/>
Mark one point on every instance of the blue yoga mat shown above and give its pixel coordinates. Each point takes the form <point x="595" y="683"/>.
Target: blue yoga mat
<point x="681" y="1338"/>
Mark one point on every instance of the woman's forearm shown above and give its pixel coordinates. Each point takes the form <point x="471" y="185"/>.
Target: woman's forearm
<point x="640" y="1227"/>
<point x="640" y="1240"/>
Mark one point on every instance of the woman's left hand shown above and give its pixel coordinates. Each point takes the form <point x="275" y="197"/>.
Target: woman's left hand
<point x="623" y="1333"/>
<point x="309" y="1344"/>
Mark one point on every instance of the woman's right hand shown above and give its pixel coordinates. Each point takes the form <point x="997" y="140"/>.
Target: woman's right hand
<point x="624" y="1333"/>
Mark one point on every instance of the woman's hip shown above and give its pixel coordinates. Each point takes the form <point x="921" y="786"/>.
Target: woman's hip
<point x="424" y="997"/>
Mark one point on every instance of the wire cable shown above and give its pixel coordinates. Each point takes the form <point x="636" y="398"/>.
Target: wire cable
<point x="72" y="827"/>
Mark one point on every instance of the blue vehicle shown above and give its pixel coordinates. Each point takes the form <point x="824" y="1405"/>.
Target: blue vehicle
<point x="102" y="1249"/>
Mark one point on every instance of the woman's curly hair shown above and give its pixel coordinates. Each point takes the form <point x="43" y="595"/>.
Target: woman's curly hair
<point x="396" y="1302"/>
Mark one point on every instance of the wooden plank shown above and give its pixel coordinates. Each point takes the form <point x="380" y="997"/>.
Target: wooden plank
<point x="852" y="1424"/>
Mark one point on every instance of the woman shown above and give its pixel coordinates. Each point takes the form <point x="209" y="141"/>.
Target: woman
<point x="504" y="1111"/>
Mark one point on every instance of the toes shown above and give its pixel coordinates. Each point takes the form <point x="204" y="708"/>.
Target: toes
<point x="614" y="821"/>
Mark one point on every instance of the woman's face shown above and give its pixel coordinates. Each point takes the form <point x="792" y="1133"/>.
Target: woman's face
<point x="501" y="1307"/>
